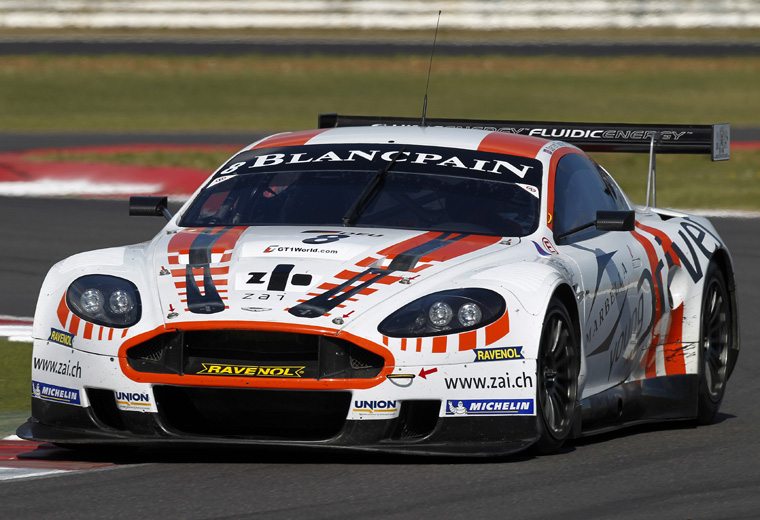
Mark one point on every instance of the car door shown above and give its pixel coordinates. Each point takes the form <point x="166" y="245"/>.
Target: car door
<point x="612" y="288"/>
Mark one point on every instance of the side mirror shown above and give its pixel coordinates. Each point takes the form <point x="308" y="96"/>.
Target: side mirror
<point x="606" y="220"/>
<point x="141" y="206"/>
<point x="623" y="220"/>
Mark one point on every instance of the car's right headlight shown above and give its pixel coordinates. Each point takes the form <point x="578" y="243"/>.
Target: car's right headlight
<point x="105" y="300"/>
<point x="445" y="312"/>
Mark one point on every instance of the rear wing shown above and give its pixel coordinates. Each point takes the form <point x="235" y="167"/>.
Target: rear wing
<point x="592" y="137"/>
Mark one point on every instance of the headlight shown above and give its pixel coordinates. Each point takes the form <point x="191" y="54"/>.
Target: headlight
<point x="105" y="300"/>
<point x="445" y="312"/>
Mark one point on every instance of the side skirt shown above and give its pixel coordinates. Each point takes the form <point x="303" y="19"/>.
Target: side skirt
<point x="648" y="400"/>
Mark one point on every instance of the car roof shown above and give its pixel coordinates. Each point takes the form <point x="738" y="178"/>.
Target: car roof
<point x="460" y="138"/>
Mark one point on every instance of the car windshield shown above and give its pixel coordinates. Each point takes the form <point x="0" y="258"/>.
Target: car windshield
<point x="435" y="189"/>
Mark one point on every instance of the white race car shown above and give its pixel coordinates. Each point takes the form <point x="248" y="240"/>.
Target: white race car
<point x="464" y="287"/>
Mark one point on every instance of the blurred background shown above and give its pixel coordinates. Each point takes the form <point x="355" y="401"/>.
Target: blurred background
<point x="222" y="73"/>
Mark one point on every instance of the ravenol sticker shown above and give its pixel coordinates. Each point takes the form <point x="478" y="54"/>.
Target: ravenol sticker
<point x="61" y="337"/>
<point x="218" y="369"/>
<point x="470" y="407"/>
<point x="498" y="353"/>
<point x="57" y="394"/>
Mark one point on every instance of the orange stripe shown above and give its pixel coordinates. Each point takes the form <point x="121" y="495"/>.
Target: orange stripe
<point x="498" y="329"/>
<point x="653" y="261"/>
<point x="651" y="357"/>
<point x="199" y="283"/>
<point x="439" y="344"/>
<point x="367" y="262"/>
<point x="460" y="247"/>
<point x="288" y="139"/>
<point x="346" y="275"/>
<point x="408" y="244"/>
<point x="513" y="144"/>
<point x="63" y="311"/>
<point x="74" y="325"/>
<point x="667" y="243"/>
<point x="468" y="340"/>
<point x="88" y="330"/>
<point x="215" y="271"/>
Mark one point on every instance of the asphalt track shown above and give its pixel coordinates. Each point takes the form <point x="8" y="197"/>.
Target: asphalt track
<point x="657" y="471"/>
<point x="230" y="46"/>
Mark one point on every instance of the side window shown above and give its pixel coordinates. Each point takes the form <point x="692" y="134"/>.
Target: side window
<point x="580" y="191"/>
<point x="614" y="191"/>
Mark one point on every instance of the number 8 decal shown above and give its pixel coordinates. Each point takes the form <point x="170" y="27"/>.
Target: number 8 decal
<point x="324" y="239"/>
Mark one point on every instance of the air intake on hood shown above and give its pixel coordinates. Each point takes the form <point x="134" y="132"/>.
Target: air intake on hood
<point x="254" y="354"/>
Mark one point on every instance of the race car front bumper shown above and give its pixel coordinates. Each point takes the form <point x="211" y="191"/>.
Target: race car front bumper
<point x="416" y="430"/>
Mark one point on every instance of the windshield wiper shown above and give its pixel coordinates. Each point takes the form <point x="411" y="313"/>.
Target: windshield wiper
<point x="358" y="207"/>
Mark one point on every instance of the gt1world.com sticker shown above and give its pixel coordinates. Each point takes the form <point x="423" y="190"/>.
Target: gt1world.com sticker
<point x="471" y="407"/>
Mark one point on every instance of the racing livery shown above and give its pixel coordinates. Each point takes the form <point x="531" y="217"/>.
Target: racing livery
<point x="465" y="287"/>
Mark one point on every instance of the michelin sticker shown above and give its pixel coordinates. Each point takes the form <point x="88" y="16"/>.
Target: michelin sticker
<point x="56" y="394"/>
<point x="486" y="407"/>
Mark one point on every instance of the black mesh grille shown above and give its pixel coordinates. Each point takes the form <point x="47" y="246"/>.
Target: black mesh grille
<point x="417" y="419"/>
<point x="104" y="407"/>
<point x="271" y="414"/>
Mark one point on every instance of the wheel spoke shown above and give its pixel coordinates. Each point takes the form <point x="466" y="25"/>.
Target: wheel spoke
<point x="556" y="330"/>
<point x="549" y="412"/>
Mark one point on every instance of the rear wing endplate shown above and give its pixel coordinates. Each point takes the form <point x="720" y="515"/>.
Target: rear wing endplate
<point x="592" y="137"/>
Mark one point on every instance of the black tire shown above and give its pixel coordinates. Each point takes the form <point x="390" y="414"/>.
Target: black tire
<point x="715" y="341"/>
<point x="557" y="375"/>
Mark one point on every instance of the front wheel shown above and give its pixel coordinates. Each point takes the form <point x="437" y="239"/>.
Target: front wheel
<point x="715" y="340"/>
<point x="558" y="367"/>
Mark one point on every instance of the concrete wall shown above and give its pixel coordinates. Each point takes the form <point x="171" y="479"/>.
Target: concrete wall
<point x="380" y="14"/>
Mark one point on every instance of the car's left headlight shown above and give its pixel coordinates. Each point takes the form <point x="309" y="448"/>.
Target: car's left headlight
<point x="445" y="312"/>
<point x="105" y="300"/>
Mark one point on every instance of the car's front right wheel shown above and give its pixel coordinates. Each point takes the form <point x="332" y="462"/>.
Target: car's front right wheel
<point x="716" y="328"/>
<point x="557" y="386"/>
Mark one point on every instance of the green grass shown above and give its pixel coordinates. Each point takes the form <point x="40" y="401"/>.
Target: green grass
<point x="690" y="182"/>
<point x="144" y="93"/>
<point x="271" y="93"/>
<point x="16" y="379"/>
<point x="685" y="182"/>
<point x="445" y="34"/>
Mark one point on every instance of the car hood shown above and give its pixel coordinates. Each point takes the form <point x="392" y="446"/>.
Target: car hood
<point x="306" y="276"/>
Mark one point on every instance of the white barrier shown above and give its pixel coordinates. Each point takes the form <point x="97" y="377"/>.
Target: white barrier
<point x="380" y="14"/>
